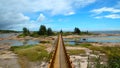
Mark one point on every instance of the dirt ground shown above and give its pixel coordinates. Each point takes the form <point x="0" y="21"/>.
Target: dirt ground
<point x="8" y="60"/>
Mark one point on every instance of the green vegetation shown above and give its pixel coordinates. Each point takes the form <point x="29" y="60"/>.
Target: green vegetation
<point x="86" y="33"/>
<point x="31" y="53"/>
<point x="105" y="49"/>
<point x="77" y="30"/>
<point x="45" y="32"/>
<point x="35" y="34"/>
<point x="67" y="33"/>
<point x="42" y="30"/>
<point x="21" y="35"/>
<point x="113" y="54"/>
<point x="80" y="45"/>
<point x="44" y="41"/>
<point x="49" y="32"/>
<point x="61" y="31"/>
<point x="85" y="45"/>
<point x="26" y="32"/>
<point x="96" y="63"/>
<point x="70" y="45"/>
<point x="76" y="52"/>
<point x="114" y="61"/>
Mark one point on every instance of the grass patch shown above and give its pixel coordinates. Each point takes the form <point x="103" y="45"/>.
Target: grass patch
<point x="15" y="48"/>
<point x="44" y="42"/>
<point x="35" y="34"/>
<point x="79" y="45"/>
<point x="85" y="45"/>
<point x="107" y="50"/>
<point x="113" y="54"/>
<point x="76" y="52"/>
<point x="69" y="45"/>
<point x="32" y="53"/>
<point x="21" y="35"/>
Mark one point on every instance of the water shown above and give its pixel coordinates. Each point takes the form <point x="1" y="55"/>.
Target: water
<point x="6" y="35"/>
<point x="70" y="42"/>
<point x="16" y="42"/>
<point x="106" y="32"/>
<point x="105" y="39"/>
<point x="111" y="39"/>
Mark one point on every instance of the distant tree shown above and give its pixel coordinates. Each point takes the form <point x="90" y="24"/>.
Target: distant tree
<point x="42" y="30"/>
<point x="87" y="32"/>
<point x="49" y="32"/>
<point x="77" y="30"/>
<point x="61" y="31"/>
<point x="26" y="31"/>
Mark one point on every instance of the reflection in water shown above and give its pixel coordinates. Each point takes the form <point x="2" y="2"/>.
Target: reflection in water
<point x="112" y="39"/>
<point x="25" y="42"/>
<point x="18" y="43"/>
<point x="15" y="42"/>
<point x="7" y="35"/>
<point x="106" y="39"/>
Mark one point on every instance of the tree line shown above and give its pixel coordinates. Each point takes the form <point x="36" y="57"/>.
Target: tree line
<point x="49" y="32"/>
<point x="42" y="31"/>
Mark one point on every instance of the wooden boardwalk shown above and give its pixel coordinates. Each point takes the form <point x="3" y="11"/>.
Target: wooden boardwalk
<point x="60" y="58"/>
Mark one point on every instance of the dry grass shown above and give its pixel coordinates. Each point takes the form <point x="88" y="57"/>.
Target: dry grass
<point x="32" y="53"/>
<point x="113" y="54"/>
<point x="76" y="52"/>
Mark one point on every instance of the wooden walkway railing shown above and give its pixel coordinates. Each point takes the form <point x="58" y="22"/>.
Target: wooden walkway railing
<point x="60" y="59"/>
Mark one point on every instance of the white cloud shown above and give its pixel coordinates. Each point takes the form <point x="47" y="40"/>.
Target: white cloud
<point x="82" y="3"/>
<point x="70" y="13"/>
<point x="113" y="16"/>
<point x="98" y="17"/>
<point x="106" y="9"/>
<point x="10" y="19"/>
<point x="41" y="18"/>
<point x="52" y="6"/>
<point x="12" y="11"/>
<point x="106" y="12"/>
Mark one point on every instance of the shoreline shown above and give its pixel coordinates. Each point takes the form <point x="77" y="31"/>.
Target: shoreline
<point x="4" y="50"/>
<point x="52" y="38"/>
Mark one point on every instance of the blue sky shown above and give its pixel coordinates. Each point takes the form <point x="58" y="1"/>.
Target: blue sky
<point x="88" y="15"/>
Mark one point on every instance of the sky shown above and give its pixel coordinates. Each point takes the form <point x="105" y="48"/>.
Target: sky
<point x="91" y="15"/>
